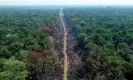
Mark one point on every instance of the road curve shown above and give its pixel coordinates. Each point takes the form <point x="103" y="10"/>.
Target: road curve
<point x="64" y="46"/>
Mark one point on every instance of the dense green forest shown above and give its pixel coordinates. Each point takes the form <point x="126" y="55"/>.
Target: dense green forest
<point x="106" y="38"/>
<point x="99" y="43"/>
<point x="22" y="40"/>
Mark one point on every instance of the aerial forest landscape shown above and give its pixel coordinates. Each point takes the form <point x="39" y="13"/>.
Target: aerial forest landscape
<point x="66" y="42"/>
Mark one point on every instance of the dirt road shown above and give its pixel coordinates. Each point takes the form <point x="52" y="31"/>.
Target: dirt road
<point x="64" y="46"/>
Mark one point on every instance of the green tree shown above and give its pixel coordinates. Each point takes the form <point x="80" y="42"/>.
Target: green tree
<point x="13" y="69"/>
<point x="99" y="40"/>
<point x="92" y="49"/>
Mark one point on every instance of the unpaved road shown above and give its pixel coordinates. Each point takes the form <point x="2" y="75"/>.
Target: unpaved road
<point x="64" y="46"/>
